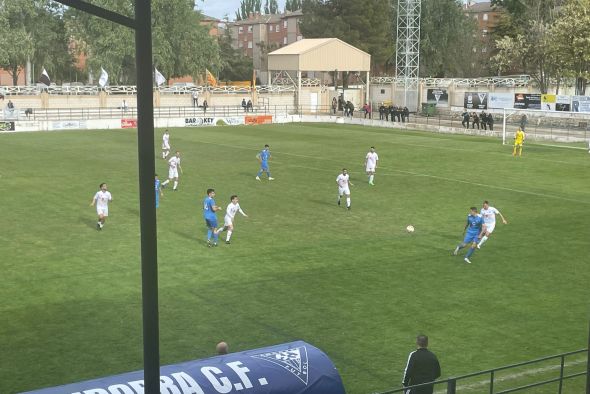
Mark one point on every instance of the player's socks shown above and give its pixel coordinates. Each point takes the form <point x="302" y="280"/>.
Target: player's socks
<point x="215" y="238"/>
<point x="209" y="233"/>
<point x="483" y="239"/>
<point x="469" y="253"/>
<point x="229" y="233"/>
<point x="166" y="182"/>
<point x="175" y="185"/>
<point x="371" y="177"/>
<point x="259" y="173"/>
<point x="348" y="202"/>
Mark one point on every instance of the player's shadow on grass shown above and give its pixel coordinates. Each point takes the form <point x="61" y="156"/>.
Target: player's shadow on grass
<point x="88" y="222"/>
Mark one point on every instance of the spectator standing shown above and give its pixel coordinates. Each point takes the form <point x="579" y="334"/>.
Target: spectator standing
<point x="10" y="105"/>
<point x="244" y="105"/>
<point x="124" y="106"/>
<point x="381" y="112"/>
<point x="491" y="121"/>
<point x="249" y="107"/>
<point x="484" y="120"/>
<point x="523" y="122"/>
<point x="406" y="112"/>
<point x="205" y="105"/>
<point x="422" y="367"/>
<point x="334" y="105"/>
<point x="475" y="118"/>
<point x="465" y="121"/>
<point x="195" y="99"/>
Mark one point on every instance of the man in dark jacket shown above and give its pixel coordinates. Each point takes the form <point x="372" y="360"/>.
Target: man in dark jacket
<point x="422" y="367"/>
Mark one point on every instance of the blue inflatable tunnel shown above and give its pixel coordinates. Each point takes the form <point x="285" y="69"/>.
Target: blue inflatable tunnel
<point x="290" y="368"/>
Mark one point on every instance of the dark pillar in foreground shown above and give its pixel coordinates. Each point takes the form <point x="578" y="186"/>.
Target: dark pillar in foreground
<point x="147" y="197"/>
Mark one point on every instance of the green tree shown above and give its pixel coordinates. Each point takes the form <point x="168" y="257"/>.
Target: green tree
<point x="34" y="31"/>
<point x="365" y="25"/>
<point x="234" y="66"/>
<point x="271" y="7"/>
<point x="523" y="39"/>
<point x="570" y="42"/>
<point x="293" y="5"/>
<point x="248" y="7"/>
<point x="181" y="45"/>
<point x="448" y="43"/>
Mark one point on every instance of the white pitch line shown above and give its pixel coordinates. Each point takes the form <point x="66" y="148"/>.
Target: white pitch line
<point x="518" y="375"/>
<point x="415" y="174"/>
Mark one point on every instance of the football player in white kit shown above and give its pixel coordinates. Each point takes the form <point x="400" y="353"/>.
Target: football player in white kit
<point x="371" y="164"/>
<point x="173" y="167"/>
<point x="102" y="199"/>
<point x="489" y="218"/>
<point x="230" y="213"/>
<point x="343" y="181"/>
<point x="165" y="144"/>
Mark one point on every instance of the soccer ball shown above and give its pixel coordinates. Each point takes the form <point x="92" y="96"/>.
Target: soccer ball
<point x="410" y="228"/>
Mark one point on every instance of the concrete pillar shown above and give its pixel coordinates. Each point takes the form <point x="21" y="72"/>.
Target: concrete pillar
<point x="102" y="99"/>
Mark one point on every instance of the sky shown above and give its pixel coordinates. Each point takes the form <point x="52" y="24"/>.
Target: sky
<point x="220" y="8"/>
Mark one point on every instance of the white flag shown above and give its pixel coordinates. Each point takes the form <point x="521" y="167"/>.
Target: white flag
<point x="104" y="78"/>
<point x="159" y="78"/>
<point x="44" y="78"/>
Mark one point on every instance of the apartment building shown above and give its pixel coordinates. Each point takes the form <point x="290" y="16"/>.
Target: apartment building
<point x="487" y="17"/>
<point x="263" y="33"/>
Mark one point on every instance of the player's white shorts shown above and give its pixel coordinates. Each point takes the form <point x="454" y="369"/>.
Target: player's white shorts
<point x="172" y="173"/>
<point x="343" y="190"/>
<point x="102" y="211"/>
<point x="490" y="227"/>
<point x="370" y="168"/>
<point x="165" y="146"/>
<point x="227" y="220"/>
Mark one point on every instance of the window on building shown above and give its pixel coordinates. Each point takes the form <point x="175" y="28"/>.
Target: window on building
<point x="285" y="40"/>
<point x="278" y="27"/>
<point x="240" y="44"/>
<point x="240" y="29"/>
<point x="484" y="32"/>
<point x="485" y="17"/>
<point x="249" y="44"/>
<point x="250" y="29"/>
<point x="270" y="28"/>
<point x="285" y="24"/>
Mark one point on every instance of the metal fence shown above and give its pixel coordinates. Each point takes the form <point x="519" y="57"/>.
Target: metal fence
<point x="451" y="384"/>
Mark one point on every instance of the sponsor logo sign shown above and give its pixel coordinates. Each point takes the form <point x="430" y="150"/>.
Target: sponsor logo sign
<point x="128" y="123"/>
<point x="6" y="126"/>
<point x="475" y="100"/>
<point x="258" y="119"/>
<point x="275" y="369"/>
<point x="440" y="97"/>
<point x="527" y="100"/>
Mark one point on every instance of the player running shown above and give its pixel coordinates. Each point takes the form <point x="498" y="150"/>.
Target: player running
<point x="209" y="209"/>
<point x="371" y="164"/>
<point x="228" y="221"/>
<point x="518" y="142"/>
<point x="102" y="199"/>
<point x="158" y="188"/>
<point x="165" y="144"/>
<point x="474" y="228"/>
<point x="343" y="181"/>
<point x="173" y="167"/>
<point x="264" y="157"/>
<point x="489" y="218"/>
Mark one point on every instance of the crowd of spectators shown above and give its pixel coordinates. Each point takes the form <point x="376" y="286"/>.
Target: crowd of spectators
<point x="482" y="121"/>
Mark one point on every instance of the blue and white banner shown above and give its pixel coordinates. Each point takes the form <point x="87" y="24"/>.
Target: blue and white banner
<point x="290" y="368"/>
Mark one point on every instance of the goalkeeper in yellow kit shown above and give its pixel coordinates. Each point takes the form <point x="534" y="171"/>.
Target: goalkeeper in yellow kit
<point x="518" y="141"/>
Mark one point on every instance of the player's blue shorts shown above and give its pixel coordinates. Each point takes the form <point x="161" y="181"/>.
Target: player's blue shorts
<point x="471" y="237"/>
<point x="264" y="166"/>
<point x="211" y="223"/>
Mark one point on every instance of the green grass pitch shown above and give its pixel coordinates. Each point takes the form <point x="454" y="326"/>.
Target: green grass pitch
<point x="353" y="283"/>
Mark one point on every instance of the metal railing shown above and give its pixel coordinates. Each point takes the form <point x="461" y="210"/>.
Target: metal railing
<point x="451" y="383"/>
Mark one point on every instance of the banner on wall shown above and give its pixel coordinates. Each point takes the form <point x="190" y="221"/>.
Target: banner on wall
<point x="581" y="104"/>
<point x="128" y="123"/>
<point x="6" y="126"/>
<point x="527" y="100"/>
<point x="258" y="119"/>
<point x="563" y="103"/>
<point x="68" y="125"/>
<point x="548" y="102"/>
<point x="501" y="100"/>
<point x="475" y="100"/>
<point x="439" y="97"/>
<point x="213" y="121"/>
<point x="295" y="367"/>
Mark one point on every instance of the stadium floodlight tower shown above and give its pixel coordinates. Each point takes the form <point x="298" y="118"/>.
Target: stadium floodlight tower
<point x="407" y="54"/>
